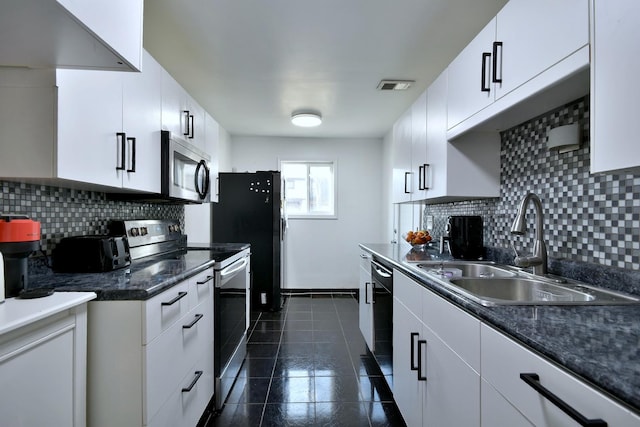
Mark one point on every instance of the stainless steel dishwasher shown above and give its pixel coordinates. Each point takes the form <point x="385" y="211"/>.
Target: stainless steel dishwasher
<point x="382" y="279"/>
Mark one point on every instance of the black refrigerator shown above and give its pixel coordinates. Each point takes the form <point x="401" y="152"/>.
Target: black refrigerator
<point x="250" y="209"/>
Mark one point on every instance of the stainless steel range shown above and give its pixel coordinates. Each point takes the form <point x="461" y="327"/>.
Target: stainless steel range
<point x="231" y="289"/>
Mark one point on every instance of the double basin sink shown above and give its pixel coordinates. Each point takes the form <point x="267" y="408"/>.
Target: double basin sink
<point x="490" y="284"/>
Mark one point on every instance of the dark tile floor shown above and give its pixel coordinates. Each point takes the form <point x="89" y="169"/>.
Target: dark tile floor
<point x="308" y="365"/>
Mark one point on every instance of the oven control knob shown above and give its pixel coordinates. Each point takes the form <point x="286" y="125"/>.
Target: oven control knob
<point x="143" y="231"/>
<point x="176" y="228"/>
<point x="134" y="232"/>
<point x="170" y="228"/>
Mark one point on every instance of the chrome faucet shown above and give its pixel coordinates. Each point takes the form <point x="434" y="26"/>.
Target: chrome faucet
<point x="538" y="260"/>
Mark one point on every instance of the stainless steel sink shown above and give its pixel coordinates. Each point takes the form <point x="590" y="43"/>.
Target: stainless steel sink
<point x="531" y="291"/>
<point x="468" y="269"/>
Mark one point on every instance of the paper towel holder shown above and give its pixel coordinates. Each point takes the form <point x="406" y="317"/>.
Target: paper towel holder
<point x="564" y="138"/>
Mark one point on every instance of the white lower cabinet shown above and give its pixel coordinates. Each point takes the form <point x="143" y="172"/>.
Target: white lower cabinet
<point x="365" y="300"/>
<point x="151" y="362"/>
<point x="433" y="384"/>
<point x="503" y="362"/>
<point x="43" y="361"/>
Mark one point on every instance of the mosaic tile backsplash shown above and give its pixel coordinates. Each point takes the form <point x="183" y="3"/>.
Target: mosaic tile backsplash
<point x="64" y="212"/>
<point x="588" y="218"/>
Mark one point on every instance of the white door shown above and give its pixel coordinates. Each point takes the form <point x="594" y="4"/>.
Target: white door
<point x="142" y="103"/>
<point x="401" y="178"/>
<point x="419" y="162"/>
<point x="174" y="104"/>
<point x="469" y="92"/>
<point x="529" y="48"/>
<point x="89" y="120"/>
<point x="365" y="302"/>
<point x="117" y="22"/>
<point x="615" y="67"/>
<point x="436" y="134"/>
<point x="407" y="389"/>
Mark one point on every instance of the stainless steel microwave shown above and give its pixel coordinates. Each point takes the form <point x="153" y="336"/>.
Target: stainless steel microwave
<point x="185" y="170"/>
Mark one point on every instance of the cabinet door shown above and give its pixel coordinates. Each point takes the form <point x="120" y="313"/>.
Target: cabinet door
<point x="212" y="137"/>
<point x="37" y="372"/>
<point x="436" y="134"/>
<point x="419" y="147"/>
<point x="497" y="411"/>
<point x="614" y="84"/>
<point x="402" y="159"/>
<point x="451" y="384"/>
<point x="465" y="94"/>
<point x="117" y="22"/>
<point x="89" y="118"/>
<point x="196" y="124"/>
<point x="529" y="48"/>
<point x="365" y="306"/>
<point x="141" y="117"/>
<point x="174" y="104"/>
<point x="408" y="392"/>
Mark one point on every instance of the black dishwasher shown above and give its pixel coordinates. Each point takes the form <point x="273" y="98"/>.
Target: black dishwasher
<point x="382" y="278"/>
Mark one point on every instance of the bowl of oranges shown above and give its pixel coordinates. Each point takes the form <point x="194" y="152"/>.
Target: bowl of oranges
<point x="418" y="239"/>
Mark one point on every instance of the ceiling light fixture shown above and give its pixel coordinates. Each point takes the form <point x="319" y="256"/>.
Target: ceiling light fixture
<point x="306" y="119"/>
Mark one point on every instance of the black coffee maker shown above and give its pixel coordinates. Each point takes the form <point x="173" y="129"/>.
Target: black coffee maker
<point x="465" y="237"/>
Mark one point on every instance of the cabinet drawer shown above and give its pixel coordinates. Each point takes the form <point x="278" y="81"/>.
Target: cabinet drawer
<point x="201" y="288"/>
<point x="170" y="357"/>
<point x="163" y="310"/>
<point x="184" y="408"/>
<point x="503" y="360"/>
<point x="497" y="411"/>
<point x="458" y="329"/>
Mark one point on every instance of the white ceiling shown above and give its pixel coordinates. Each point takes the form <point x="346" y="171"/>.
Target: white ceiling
<point x="251" y="63"/>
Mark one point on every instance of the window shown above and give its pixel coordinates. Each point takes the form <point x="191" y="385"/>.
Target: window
<point x="309" y="189"/>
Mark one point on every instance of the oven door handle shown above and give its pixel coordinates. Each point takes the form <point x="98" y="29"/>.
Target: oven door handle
<point x="232" y="269"/>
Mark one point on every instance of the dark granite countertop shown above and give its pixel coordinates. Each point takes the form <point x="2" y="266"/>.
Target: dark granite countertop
<point x="599" y="344"/>
<point x="142" y="280"/>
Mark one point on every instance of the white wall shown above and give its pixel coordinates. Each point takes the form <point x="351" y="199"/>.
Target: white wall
<point x="323" y="254"/>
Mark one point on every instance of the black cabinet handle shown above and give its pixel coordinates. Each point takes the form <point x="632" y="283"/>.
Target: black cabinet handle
<point x="406" y="174"/>
<point x="420" y="376"/>
<point x="176" y="299"/>
<point x="121" y="137"/>
<point x="495" y="78"/>
<point x="534" y="381"/>
<point x="366" y="292"/>
<point x="483" y="87"/>
<point x="425" y="167"/>
<point x="207" y="280"/>
<point x="195" y="320"/>
<point x="133" y="154"/>
<point x="188" y="388"/>
<point x="421" y="177"/>
<point x="191" y="126"/>
<point x="187" y="131"/>
<point x="414" y="367"/>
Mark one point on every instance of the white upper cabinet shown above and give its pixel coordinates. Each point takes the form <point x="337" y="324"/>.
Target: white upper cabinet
<point x="419" y="161"/>
<point x="402" y="149"/>
<point x="535" y="36"/>
<point x="470" y="88"/>
<point x="527" y="49"/>
<point x="94" y="127"/>
<point x="181" y="114"/>
<point x="615" y="85"/>
<point x="100" y="34"/>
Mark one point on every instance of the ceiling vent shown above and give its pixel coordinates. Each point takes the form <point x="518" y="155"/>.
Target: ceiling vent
<point x="395" y="84"/>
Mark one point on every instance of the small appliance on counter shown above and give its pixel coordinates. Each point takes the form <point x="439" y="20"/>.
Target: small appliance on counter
<point x="19" y="237"/>
<point x="90" y="254"/>
<point x="465" y="237"/>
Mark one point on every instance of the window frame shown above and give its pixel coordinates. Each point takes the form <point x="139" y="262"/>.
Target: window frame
<point x="308" y="163"/>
